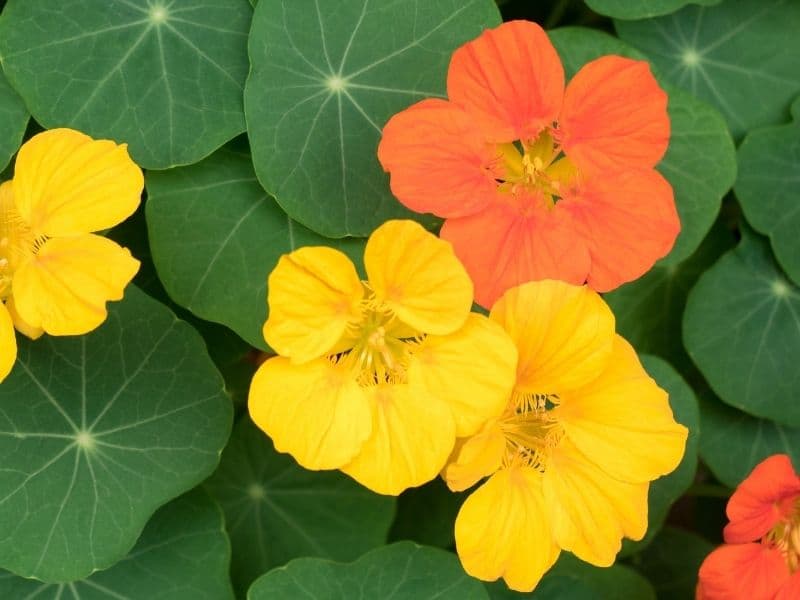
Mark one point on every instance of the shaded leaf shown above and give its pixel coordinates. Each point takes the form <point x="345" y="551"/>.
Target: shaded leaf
<point x="427" y="515"/>
<point x="641" y="9"/>
<point x="13" y="120"/>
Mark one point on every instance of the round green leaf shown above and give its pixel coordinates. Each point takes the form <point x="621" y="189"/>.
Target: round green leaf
<point x="649" y="310"/>
<point x="326" y="76"/>
<point x="576" y="580"/>
<point x="768" y="188"/>
<point x="97" y="432"/>
<point x="277" y="511"/>
<point x="641" y="9"/>
<point x="672" y="561"/>
<point x="165" y="77"/>
<point x="700" y="162"/>
<point x="13" y="120"/>
<point x="215" y="236"/>
<point x="666" y="490"/>
<point x="183" y="554"/>
<point x="741" y="328"/>
<point x="402" y="571"/>
<point x="740" y="56"/>
<point x="733" y="442"/>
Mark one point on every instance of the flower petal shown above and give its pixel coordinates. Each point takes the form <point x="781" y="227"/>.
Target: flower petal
<point x="437" y="161"/>
<point x="509" y="79"/>
<point x="313" y="293"/>
<point x="475" y="457"/>
<point x="66" y="183"/>
<point x="503" y="247"/>
<point x="589" y="511"/>
<point x="502" y="530"/>
<point x="20" y="324"/>
<point x="472" y="370"/>
<point x="564" y="334"/>
<point x="418" y="277"/>
<point x="8" y="343"/>
<point x="742" y="572"/>
<point x="412" y="436"/>
<point x="315" y="411"/>
<point x="627" y="220"/>
<point x="623" y="421"/>
<point x="64" y="288"/>
<point x="765" y="497"/>
<point x="614" y="116"/>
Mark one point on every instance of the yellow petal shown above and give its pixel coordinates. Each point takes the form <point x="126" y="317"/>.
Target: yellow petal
<point x="8" y="343"/>
<point x="20" y="324"/>
<point x="418" y="277"/>
<point x="412" y="436"/>
<point x="564" y="334"/>
<point x="313" y="411"/>
<point x="64" y="288"/>
<point x="473" y="370"/>
<point x="313" y="293"/>
<point x="475" y="457"/>
<point x="66" y="183"/>
<point x="623" y="421"/>
<point x="502" y="530"/>
<point x="589" y="511"/>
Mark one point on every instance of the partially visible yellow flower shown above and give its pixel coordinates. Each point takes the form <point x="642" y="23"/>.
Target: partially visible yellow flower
<point x="571" y="458"/>
<point x="55" y="275"/>
<point x="378" y="377"/>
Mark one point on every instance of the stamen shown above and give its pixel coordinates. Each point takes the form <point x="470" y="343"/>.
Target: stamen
<point x="530" y="430"/>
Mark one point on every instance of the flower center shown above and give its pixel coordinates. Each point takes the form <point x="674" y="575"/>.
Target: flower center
<point x="537" y="167"/>
<point x="17" y="243"/>
<point x="380" y="345"/>
<point x="785" y="536"/>
<point x="531" y="431"/>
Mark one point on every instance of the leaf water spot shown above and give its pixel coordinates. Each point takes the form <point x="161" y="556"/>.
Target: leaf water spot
<point x="335" y="83"/>
<point x="256" y="492"/>
<point x="85" y="440"/>
<point x="690" y="57"/>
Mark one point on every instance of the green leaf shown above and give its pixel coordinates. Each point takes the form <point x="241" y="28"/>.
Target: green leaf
<point x="768" y="188"/>
<point x="183" y="554"/>
<point x="325" y="78"/>
<point x="13" y="120"/>
<point x="277" y="511"/>
<point x="641" y="9"/>
<point x="649" y="310"/>
<point x="165" y="77"/>
<point x="574" y="579"/>
<point x="741" y="328"/>
<point x="733" y="442"/>
<point x="216" y="234"/>
<point x="666" y="490"/>
<point x="672" y="561"/>
<point x="427" y="515"/>
<point x="700" y="162"/>
<point x="739" y="56"/>
<point x="402" y="571"/>
<point x="97" y="432"/>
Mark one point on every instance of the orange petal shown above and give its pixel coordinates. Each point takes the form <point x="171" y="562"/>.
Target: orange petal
<point x="509" y="79"/>
<point x="614" y="116"/>
<point x="502" y="247"/>
<point x="761" y="500"/>
<point x="742" y="572"/>
<point x="627" y="220"/>
<point x="438" y="161"/>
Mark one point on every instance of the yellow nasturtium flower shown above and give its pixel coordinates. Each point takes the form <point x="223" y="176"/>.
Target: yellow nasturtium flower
<point x="571" y="458"/>
<point x="55" y="275"/>
<point x="378" y="377"/>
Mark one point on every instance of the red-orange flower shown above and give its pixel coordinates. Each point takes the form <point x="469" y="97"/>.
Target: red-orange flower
<point x="537" y="180"/>
<point x="761" y="557"/>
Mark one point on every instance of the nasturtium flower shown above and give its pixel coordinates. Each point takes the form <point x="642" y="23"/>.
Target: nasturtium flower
<point x="55" y="274"/>
<point x="570" y="459"/>
<point x="761" y="557"/>
<point x="378" y="377"/>
<point x="535" y="180"/>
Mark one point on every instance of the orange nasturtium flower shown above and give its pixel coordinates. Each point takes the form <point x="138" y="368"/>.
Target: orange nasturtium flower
<point x="537" y="181"/>
<point x="761" y="557"/>
<point x="378" y="377"/>
<point x="571" y="458"/>
<point x="55" y="274"/>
